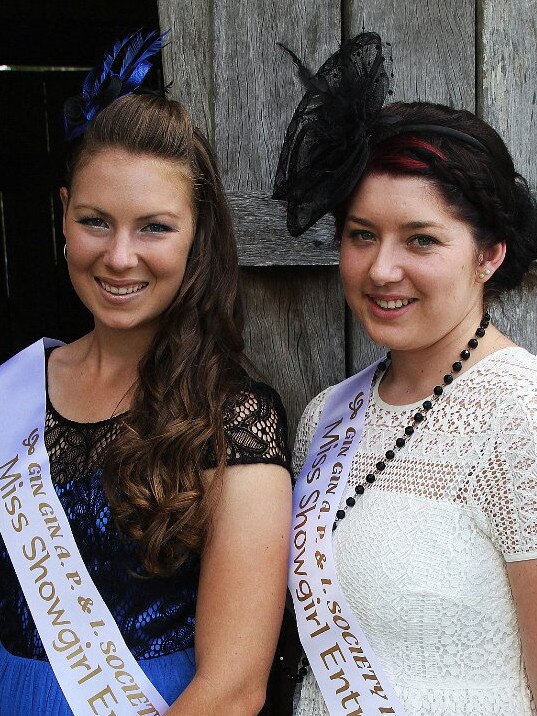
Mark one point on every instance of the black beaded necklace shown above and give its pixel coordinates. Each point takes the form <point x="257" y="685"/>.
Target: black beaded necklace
<point x="418" y="417"/>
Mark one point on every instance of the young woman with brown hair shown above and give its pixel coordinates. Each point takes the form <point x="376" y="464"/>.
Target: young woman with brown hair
<point x="169" y="461"/>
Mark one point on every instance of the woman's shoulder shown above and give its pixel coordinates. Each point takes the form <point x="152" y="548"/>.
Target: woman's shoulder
<point x="313" y="411"/>
<point x="307" y="426"/>
<point x="253" y="398"/>
<point x="255" y="425"/>
<point x="509" y="373"/>
<point x="500" y="393"/>
<point x="515" y="356"/>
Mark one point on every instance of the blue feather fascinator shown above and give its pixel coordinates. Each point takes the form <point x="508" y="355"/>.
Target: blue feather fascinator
<point x="122" y="72"/>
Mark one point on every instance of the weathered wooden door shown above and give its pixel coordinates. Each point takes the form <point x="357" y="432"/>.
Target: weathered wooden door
<point x="227" y="68"/>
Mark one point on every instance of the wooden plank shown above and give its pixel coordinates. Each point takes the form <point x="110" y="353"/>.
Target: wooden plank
<point x="508" y="59"/>
<point x="433" y="59"/>
<point x="507" y="100"/>
<point x="188" y="60"/>
<point x="263" y="240"/>
<point x="290" y="312"/>
<point x="433" y="46"/>
<point x="295" y="331"/>
<point x="256" y="89"/>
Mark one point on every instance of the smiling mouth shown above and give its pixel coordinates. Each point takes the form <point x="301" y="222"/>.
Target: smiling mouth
<point x="397" y="303"/>
<point x="121" y="290"/>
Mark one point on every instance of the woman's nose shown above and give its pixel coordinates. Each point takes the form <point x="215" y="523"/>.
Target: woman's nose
<point x="120" y="253"/>
<point x="386" y="266"/>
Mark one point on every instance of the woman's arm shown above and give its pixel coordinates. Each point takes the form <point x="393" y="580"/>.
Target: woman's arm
<point x="241" y="594"/>
<point x="523" y="580"/>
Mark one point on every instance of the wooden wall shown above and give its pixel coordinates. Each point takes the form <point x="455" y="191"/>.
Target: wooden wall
<point x="227" y="68"/>
<point x="241" y="89"/>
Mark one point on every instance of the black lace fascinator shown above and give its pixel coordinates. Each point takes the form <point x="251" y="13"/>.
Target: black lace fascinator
<point x="122" y="72"/>
<point x="338" y="121"/>
<point x="328" y="141"/>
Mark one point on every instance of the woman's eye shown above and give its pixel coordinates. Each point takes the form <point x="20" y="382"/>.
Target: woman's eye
<point x="157" y="228"/>
<point x="93" y="221"/>
<point x="423" y="240"/>
<point x="361" y="235"/>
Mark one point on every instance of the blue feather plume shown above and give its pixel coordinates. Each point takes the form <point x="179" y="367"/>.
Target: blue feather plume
<point x="122" y="71"/>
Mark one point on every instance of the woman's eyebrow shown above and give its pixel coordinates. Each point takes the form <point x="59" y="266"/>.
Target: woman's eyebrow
<point x="408" y="225"/>
<point x="422" y="225"/>
<point x="91" y="207"/>
<point x="359" y="220"/>
<point x="159" y="215"/>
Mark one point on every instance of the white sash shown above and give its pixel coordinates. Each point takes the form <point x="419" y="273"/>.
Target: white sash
<point x="350" y="676"/>
<point x="95" y="669"/>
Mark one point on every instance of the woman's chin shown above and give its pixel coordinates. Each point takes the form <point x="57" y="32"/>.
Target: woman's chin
<point x="391" y="336"/>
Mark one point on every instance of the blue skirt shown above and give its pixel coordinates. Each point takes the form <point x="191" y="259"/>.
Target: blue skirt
<point x="28" y="687"/>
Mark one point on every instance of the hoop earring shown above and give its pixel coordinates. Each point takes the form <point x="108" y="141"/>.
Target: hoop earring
<point x="65" y="251"/>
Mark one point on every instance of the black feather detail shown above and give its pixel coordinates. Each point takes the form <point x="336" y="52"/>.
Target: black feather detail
<point x="328" y="140"/>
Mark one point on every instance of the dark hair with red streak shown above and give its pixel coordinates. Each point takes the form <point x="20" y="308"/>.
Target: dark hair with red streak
<point x="394" y="156"/>
<point x="481" y="187"/>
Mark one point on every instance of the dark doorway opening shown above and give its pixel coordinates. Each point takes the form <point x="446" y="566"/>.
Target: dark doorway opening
<point x="46" y="49"/>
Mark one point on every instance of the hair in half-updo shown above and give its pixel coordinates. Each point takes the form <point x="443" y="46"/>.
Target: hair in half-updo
<point x="481" y="186"/>
<point x="153" y="473"/>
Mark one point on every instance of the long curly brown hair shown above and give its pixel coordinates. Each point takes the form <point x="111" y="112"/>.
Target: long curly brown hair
<point x="154" y="472"/>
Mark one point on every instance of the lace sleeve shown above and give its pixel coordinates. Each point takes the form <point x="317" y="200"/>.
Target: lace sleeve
<point x="255" y="427"/>
<point x="506" y="489"/>
<point x="306" y="428"/>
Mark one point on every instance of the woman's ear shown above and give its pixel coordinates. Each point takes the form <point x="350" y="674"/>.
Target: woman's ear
<point x="64" y="198"/>
<point x="489" y="260"/>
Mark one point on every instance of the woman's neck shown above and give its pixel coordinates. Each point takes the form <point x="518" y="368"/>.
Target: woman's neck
<point x="108" y="350"/>
<point x="95" y="377"/>
<point x="413" y="374"/>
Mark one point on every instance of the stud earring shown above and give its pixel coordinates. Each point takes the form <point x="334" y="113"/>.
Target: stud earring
<point x="65" y="251"/>
<point x="485" y="272"/>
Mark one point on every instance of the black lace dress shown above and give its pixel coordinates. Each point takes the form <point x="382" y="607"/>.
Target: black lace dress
<point x="155" y="616"/>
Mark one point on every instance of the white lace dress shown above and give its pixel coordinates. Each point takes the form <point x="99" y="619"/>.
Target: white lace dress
<point x="421" y="557"/>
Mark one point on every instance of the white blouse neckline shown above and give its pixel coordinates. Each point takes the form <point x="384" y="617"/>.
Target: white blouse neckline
<point x="418" y="403"/>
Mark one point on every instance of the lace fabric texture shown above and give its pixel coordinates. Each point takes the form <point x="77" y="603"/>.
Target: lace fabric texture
<point x="329" y="138"/>
<point x="155" y="616"/>
<point x="421" y="557"/>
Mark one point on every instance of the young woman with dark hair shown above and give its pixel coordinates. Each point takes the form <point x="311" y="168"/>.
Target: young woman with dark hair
<point x="435" y="522"/>
<point x="169" y="461"/>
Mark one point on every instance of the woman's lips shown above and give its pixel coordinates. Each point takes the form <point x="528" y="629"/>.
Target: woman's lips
<point x="120" y="292"/>
<point x="392" y="303"/>
<point x="390" y="306"/>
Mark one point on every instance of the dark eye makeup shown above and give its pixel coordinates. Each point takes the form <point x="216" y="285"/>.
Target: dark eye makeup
<point x="92" y="221"/>
<point x="157" y="228"/>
